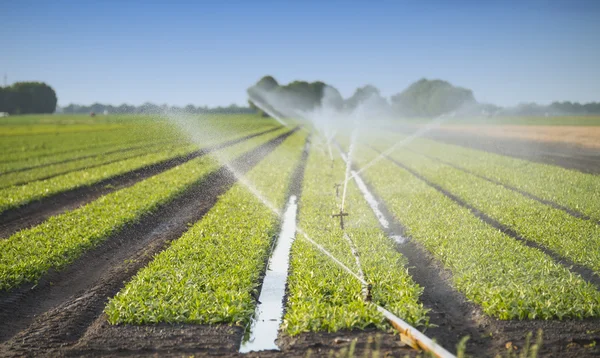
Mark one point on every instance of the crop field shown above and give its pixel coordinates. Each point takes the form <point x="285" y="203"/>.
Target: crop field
<point x="158" y="235"/>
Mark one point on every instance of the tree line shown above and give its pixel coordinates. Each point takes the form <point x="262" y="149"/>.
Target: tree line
<point x="27" y="97"/>
<point x="423" y="98"/>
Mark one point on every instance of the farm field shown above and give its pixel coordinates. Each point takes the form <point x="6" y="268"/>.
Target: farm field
<point x="569" y="142"/>
<point x="142" y="235"/>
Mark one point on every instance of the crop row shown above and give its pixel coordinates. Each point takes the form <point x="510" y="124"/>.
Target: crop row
<point x="321" y="295"/>
<point x="573" y="238"/>
<point x="108" y="147"/>
<point x="30" y="147"/>
<point x="28" y="254"/>
<point x="505" y="277"/>
<point x="14" y="197"/>
<point x="570" y="188"/>
<point x="212" y="273"/>
<point x="25" y="176"/>
<point x="91" y="145"/>
<point x="54" y="129"/>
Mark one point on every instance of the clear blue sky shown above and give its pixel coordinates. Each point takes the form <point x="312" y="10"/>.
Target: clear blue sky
<point x="209" y="52"/>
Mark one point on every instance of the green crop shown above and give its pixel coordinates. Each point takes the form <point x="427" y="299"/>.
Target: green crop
<point x="506" y="278"/>
<point x="16" y="196"/>
<point x="25" y="176"/>
<point x="28" y="254"/>
<point x="573" y="238"/>
<point x="570" y="188"/>
<point x="212" y="273"/>
<point x="322" y="296"/>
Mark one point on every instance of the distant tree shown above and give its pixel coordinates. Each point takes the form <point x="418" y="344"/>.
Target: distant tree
<point x="267" y="83"/>
<point x="293" y="97"/>
<point x="364" y="94"/>
<point x="431" y="98"/>
<point x="29" y="97"/>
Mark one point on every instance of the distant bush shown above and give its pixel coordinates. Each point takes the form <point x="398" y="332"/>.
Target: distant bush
<point x="27" y="97"/>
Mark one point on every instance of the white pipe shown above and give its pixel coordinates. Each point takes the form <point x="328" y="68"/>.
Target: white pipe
<point x="412" y="334"/>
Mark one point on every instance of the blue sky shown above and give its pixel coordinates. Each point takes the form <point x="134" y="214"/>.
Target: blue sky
<point x="209" y="52"/>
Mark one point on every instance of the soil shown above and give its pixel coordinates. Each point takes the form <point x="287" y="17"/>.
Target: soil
<point x="581" y="136"/>
<point x="34" y="213"/>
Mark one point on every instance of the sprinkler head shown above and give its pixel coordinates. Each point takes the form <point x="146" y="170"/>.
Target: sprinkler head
<point x="337" y="189"/>
<point x="341" y="215"/>
<point x="367" y="296"/>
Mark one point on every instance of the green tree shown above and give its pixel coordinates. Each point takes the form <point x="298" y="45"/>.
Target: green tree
<point x="431" y="98"/>
<point x="28" y="97"/>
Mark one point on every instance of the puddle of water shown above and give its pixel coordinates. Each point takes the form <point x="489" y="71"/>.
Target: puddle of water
<point x="269" y="311"/>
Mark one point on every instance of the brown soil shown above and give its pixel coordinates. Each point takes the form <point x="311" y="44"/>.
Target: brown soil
<point x="584" y="136"/>
<point x="36" y="212"/>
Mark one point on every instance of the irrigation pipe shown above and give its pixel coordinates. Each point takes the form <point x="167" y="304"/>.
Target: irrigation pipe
<point x="408" y="334"/>
<point x="413" y="337"/>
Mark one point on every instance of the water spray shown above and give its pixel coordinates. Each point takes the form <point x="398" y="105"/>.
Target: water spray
<point x="436" y="122"/>
<point x="264" y="108"/>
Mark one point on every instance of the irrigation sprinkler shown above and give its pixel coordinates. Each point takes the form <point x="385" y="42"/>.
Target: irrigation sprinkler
<point x="337" y="189"/>
<point x="366" y="292"/>
<point x="341" y="215"/>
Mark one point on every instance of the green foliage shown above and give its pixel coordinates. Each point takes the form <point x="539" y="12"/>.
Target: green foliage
<point x="28" y="97"/>
<point x="322" y="296"/>
<point x="114" y="155"/>
<point x="575" y="190"/>
<point x="506" y="278"/>
<point x="576" y="239"/>
<point x="431" y="98"/>
<point x="28" y="254"/>
<point x="212" y="273"/>
<point x="16" y="196"/>
<point x="299" y="95"/>
<point x="363" y="94"/>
